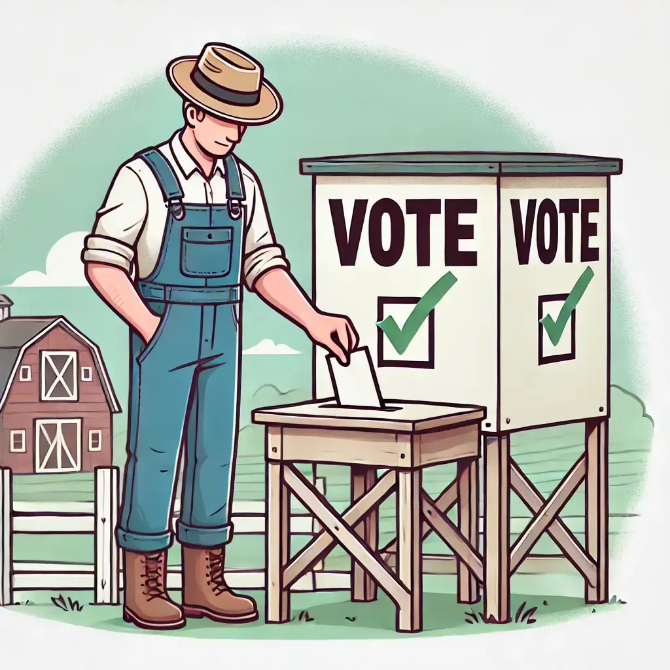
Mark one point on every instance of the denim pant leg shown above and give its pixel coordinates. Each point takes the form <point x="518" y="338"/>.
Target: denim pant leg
<point x="209" y="455"/>
<point x="159" y="401"/>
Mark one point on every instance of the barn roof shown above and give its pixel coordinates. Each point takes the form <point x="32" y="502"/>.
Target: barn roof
<point x="14" y="333"/>
<point x="19" y="332"/>
<point x="5" y="301"/>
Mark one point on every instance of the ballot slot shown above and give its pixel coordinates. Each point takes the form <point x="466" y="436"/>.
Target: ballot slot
<point x="355" y="385"/>
<point x="384" y="408"/>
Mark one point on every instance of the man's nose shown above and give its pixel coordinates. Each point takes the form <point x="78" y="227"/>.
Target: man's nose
<point x="234" y="133"/>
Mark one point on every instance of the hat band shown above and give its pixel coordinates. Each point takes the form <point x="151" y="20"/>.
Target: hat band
<point x="222" y="93"/>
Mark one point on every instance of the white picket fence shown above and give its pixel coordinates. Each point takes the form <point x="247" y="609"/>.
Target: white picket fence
<point x="104" y="575"/>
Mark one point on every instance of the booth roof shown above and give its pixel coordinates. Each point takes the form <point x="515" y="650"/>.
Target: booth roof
<point x="461" y="163"/>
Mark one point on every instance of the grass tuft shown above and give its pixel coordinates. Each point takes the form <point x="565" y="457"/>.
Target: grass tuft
<point x="522" y="615"/>
<point x="69" y="606"/>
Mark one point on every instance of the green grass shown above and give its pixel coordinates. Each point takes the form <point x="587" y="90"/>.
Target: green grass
<point x="331" y="615"/>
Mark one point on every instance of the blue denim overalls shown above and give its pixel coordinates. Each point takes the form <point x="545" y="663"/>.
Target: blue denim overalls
<point x="185" y="382"/>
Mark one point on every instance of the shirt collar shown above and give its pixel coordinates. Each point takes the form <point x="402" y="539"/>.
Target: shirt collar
<point x="185" y="161"/>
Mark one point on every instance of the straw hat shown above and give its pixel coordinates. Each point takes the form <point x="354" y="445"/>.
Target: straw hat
<point x="227" y="83"/>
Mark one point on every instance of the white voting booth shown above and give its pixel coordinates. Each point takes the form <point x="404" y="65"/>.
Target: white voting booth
<point x="482" y="280"/>
<point x="517" y="231"/>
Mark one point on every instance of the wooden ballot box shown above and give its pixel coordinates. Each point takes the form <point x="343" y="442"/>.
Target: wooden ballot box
<point x="402" y="439"/>
<point x="523" y="241"/>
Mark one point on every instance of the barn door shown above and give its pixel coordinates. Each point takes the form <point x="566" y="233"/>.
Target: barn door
<point x="58" y="445"/>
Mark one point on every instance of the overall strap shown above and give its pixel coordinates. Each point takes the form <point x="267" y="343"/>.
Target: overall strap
<point x="167" y="180"/>
<point x="234" y="187"/>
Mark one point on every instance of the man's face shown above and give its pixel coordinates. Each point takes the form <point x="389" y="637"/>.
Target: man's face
<point x="216" y="136"/>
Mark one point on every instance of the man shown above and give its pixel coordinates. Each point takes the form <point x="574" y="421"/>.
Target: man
<point x="183" y="224"/>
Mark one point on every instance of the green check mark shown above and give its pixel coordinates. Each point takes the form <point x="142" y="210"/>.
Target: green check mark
<point x="400" y="338"/>
<point x="555" y="328"/>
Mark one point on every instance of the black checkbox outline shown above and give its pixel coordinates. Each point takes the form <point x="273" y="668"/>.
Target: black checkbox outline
<point x="382" y="301"/>
<point x="556" y="358"/>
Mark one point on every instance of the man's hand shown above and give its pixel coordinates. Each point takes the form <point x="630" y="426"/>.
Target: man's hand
<point x="149" y="327"/>
<point x="335" y="333"/>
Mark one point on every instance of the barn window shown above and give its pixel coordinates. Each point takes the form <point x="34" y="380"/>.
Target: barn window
<point x="25" y="374"/>
<point x="17" y="441"/>
<point x="95" y="440"/>
<point x="86" y="374"/>
<point x="59" y="375"/>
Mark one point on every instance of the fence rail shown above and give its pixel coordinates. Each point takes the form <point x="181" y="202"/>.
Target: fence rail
<point x="105" y="577"/>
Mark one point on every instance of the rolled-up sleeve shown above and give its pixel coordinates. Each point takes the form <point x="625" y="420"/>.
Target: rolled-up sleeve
<point x="118" y="223"/>
<point x="261" y="252"/>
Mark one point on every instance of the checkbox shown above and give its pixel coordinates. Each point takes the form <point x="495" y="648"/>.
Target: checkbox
<point x="565" y="350"/>
<point x="421" y="351"/>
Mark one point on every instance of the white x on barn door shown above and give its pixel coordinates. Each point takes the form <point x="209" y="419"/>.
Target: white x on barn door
<point x="59" y="375"/>
<point x="57" y="445"/>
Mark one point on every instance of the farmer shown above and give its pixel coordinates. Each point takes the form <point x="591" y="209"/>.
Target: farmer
<point x="182" y="226"/>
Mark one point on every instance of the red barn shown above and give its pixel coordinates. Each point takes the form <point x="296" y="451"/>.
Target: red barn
<point x="56" y="398"/>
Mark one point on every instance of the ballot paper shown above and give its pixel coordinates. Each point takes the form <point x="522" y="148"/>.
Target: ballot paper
<point x="355" y="384"/>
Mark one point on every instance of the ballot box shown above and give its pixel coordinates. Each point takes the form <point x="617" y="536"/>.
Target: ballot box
<point x="478" y="278"/>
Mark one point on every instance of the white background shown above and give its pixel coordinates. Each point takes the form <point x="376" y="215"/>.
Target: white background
<point x="592" y="76"/>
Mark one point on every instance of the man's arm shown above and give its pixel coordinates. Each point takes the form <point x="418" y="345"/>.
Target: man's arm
<point x="266" y="271"/>
<point x="336" y="333"/>
<point x="109" y="251"/>
<point x="114" y="286"/>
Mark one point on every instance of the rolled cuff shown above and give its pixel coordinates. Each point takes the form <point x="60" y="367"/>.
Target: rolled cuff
<point x="101" y="249"/>
<point x="203" y="537"/>
<point x="140" y="543"/>
<point x="261" y="260"/>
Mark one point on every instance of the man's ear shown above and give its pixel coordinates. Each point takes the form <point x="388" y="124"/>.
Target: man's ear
<point x="189" y="115"/>
<point x="242" y="130"/>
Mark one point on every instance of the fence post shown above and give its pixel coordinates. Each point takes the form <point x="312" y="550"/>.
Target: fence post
<point x="106" y="547"/>
<point x="320" y="483"/>
<point x="6" y="559"/>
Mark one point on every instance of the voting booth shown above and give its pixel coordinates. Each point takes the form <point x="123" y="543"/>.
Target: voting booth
<point x="480" y="287"/>
<point x="524" y="236"/>
<point x="482" y="279"/>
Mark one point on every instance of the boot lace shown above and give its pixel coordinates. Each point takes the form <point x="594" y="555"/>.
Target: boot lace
<point x="153" y="584"/>
<point x="216" y="573"/>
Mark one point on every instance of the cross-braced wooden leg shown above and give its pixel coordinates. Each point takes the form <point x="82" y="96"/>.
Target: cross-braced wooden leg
<point x="363" y="587"/>
<point x="278" y="543"/>
<point x="496" y="529"/>
<point x="597" y="508"/>
<point x="410" y="571"/>
<point x="468" y="524"/>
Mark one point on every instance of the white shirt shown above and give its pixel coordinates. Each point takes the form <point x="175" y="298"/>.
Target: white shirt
<point x="131" y="223"/>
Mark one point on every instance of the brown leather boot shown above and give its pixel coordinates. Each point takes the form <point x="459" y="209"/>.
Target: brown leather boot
<point x="146" y="602"/>
<point x="205" y="591"/>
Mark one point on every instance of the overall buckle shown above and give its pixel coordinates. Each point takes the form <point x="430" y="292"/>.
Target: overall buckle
<point x="234" y="209"/>
<point x="176" y="207"/>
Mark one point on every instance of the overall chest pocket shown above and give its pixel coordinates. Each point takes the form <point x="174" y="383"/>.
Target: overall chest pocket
<point x="206" y="252"/>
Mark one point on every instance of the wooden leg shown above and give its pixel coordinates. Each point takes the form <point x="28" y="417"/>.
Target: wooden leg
<point x="468" y="524"/>
<point x="597" y="507"/>
<point x="363" y="587"/>
<point x="409" y="549"/>
<point x="496" y="529"/>
<point x="277" y="546"/>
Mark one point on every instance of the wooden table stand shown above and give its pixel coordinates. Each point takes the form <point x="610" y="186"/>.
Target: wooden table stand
<point x="401" y="441"/>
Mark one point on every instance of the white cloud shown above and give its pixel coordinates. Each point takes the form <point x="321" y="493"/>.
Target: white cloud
<point x="269" y="348"/>
<point x="63" y="265"/>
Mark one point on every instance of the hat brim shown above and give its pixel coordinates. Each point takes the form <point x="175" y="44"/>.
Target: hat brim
<point x="268" y="107"/>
